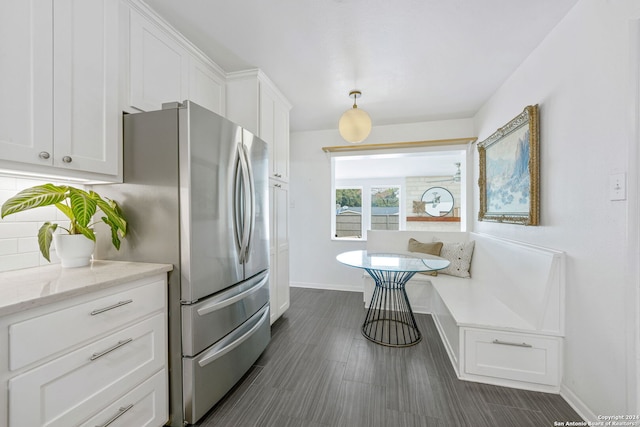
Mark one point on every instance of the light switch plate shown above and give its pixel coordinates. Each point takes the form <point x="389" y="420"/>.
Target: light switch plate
<point x="617" y="186"/>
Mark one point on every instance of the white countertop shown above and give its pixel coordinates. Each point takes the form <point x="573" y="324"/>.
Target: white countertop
<point x="32" y="287"/>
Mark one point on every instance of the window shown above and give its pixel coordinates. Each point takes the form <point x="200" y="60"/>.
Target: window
<point x="385" y="208"/>
<point x="386" y="192"/>
<point x="348" y="215"/>
<point x="365" y="204"/>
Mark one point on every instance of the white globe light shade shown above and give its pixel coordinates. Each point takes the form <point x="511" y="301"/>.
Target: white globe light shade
<point x="354" y="125"/>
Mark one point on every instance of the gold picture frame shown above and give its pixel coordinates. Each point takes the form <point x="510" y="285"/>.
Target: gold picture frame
<point x="509" y="178"/>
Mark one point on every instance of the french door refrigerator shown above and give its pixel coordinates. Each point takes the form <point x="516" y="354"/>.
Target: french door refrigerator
<point x="195" y="193"/>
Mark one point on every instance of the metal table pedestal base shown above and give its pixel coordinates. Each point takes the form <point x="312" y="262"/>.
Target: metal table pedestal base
<point x="390" y="320"/>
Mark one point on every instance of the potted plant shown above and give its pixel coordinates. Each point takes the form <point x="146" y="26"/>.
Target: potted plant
<point x="79" y="206"/>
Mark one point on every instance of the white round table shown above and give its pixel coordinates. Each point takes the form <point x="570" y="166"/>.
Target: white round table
<point x="390" y="320"/>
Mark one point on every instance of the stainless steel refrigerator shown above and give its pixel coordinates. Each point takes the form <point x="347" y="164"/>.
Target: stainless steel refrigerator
<point x="195" y="194"/>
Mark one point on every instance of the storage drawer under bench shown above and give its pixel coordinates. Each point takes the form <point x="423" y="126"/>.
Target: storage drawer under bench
<point x="512" y="356"/>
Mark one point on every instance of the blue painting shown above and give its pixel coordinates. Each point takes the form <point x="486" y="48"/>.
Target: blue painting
<point x="509" y="172"/>
<point x="508" y="180"/>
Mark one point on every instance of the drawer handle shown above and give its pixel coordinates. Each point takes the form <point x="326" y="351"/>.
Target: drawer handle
<point x="515" y="344"/>
<point x="111" y="307"/>
<point x="95" y="356"/>
<point x="120" y="413"/>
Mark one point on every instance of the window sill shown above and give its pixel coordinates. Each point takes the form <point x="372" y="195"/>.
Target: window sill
<point x="434" y="218"/>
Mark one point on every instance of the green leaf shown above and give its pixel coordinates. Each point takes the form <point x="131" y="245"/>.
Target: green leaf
<point x="113" y="213"/>
<point x="45" y="237"/>
<point x="40" y="195"/>
<point x="87" y="232"/>
<point x="115" y="238"/>
<point x="83" y="206"/>
<point x="65" y="210"/>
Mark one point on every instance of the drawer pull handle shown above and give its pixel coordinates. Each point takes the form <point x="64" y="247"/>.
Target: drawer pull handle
<point x="515" y="344"/>
<point x="111" y="307"/>
<point x="120" y="413"/>
<point x="95" y="356"/>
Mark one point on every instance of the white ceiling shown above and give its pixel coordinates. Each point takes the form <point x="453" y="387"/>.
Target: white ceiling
<point x="413" y="60"/>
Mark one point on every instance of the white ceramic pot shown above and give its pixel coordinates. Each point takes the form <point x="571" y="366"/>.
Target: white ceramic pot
<point x="74" y="250"/>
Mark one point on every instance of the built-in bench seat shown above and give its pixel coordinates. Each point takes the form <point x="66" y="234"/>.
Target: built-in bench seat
<point x="503" y="325"/>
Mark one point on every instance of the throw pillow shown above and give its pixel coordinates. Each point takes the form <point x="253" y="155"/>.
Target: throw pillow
<point x="426" y="248"/>
<point x="459" y="255"/>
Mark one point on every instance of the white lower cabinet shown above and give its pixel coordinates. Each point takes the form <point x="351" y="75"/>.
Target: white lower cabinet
<point x="279" y="249"/>
<point x="136" y="408"/>
<point x="115" y="376"/>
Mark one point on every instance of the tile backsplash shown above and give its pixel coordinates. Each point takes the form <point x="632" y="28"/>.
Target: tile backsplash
<point x="19" y="232"/>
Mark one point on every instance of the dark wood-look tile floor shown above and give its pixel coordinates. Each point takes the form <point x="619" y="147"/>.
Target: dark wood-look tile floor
<point x="319" y="371"/>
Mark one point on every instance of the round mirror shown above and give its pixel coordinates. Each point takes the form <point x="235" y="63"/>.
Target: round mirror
<point x="438" y="201"/>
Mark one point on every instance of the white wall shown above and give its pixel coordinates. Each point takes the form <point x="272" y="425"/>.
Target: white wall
<point x="313" y="252"/>
<point x="580" y="78"/>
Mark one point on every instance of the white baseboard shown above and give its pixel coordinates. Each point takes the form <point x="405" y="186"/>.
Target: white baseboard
<point x="577" y="404"/>
<point x="327" y="286"/>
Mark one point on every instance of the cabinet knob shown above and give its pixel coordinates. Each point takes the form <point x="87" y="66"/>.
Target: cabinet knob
<point x="67" y="159"/>
<point x="44" y="155"/>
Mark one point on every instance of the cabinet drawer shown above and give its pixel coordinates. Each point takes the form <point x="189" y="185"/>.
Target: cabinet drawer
<point x="513" y="356"/>
<point x="42" y="336"/>
<point x="73" y="387"/>
<point x="145" y="405"/>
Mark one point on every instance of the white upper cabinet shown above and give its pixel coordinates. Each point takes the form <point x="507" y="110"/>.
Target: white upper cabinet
<point x="165" y="67"/>
<point x="207" y="86"/>
<point x="279" y="155"/>
<point x="58" y="92"/>
<point x="26" y="86"/>
<point x="256" y="104"/>
<point x="85" y="86"/>
<point x="159" y="66"/>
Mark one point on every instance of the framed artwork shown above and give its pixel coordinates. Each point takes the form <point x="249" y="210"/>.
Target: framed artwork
<point x="510" y="172"/>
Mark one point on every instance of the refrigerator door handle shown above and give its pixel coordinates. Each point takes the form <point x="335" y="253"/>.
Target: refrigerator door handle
<point x="240" y="204"/>
<point x="234" y="339"/>
<point x="231" y="297"/>
<point x="251" y="200"/>
<point x="246" y="188"/>
<point x="237" y="204"/>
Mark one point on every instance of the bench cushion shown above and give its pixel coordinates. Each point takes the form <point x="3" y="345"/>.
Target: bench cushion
<point x="432" y="248"/>
<point x="459" y="254"/>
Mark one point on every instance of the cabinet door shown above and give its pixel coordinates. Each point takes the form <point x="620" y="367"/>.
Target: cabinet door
<point x="274" y="129"/>
<point x="279" y="251"/>
<point x="159" y="66"/>
<point x="85" y="69"/>
<point x="206" y="88"/>
<point x="26" y="83"/>
<point x="281" y="141"/>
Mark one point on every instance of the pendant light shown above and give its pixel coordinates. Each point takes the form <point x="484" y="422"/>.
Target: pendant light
<point x="355" y="124"/>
